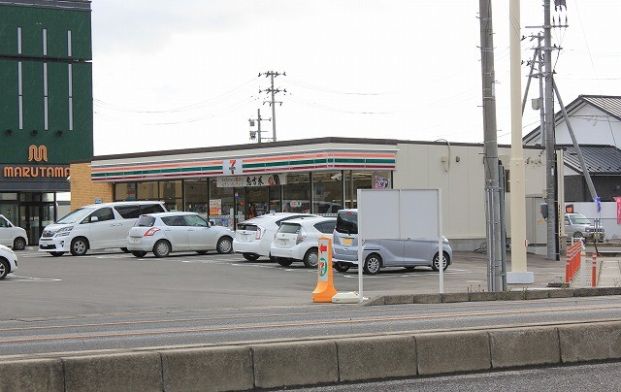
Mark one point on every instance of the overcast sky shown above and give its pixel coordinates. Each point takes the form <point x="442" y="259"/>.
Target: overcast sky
<point x="175" y="74"/>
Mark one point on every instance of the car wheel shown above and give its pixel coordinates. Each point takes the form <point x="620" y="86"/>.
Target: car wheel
<point x="139" y="253"/>
<point x="161" y="248"/>
<point x="340" y="267"/>
<point x="19" y="244"/>
<point x="79" y="246"/>
<point x="57" y="254"/>
<point x="436" y="263"/>
<point x="284" y="262"/>
<point x="372" y="264"/>
<point x="125" y="250"/>
<point x="201" y="252"/>
<point x="225" y="245"/>
<point x="4" y="268"/>
<point x="311" y="259"/>
<point x="250" y="256"/>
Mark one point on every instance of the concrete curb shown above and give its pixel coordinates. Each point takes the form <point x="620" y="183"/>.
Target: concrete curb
<point x="476" y="296"/>
<point x="331" y="361"/>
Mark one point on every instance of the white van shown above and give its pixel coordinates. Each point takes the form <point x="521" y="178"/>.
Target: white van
<point x="11" y="235"/>
<point x="96" y="226"/>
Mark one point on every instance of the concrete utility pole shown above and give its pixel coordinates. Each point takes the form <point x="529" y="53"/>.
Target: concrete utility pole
<point x="550" y="139"/>
<point x="273" y="91"/>
<point x="519" y="273"/>
<point x="490" y="160"/>
<point x="258" y="120"/>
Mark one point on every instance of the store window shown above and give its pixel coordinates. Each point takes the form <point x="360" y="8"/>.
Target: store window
<point x="125" y="191"/>
<point x="296" y="193"/>
<point x="196" y="196"/>
<point x="171" y="192"/>
<point x="10" y="211"/>
<point x="221" y="204"/>
<point x="327" y="193"/>
<point x="148" y="191"/>
<point x="8" y="196"/>
<point x="355" y="180"/>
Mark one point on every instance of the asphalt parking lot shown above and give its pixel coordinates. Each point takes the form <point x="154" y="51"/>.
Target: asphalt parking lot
<point x="115" y="282"/>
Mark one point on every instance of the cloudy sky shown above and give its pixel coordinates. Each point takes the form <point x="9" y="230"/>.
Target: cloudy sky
<point x="176" y="74"/>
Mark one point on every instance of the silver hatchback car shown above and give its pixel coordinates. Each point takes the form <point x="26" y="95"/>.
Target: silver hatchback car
<point x="377" y="254"/>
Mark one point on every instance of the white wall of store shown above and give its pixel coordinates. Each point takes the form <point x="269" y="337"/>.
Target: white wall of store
<point x="462" y="183"/>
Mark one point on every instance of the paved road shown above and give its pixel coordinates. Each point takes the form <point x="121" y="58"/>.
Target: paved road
<point x="592" y="378"/>
<point x="115" y="301"/>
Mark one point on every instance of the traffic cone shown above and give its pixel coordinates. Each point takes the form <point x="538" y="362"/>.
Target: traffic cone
<point x="324" y="291"/>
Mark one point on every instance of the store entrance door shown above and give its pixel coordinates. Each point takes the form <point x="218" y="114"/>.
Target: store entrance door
<point x="257" y="202"/>
<point x="34" y="216"/>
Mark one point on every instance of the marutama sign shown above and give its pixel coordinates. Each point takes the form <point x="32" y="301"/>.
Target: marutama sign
<point x="36" y="154"/>
<point x="35" y="172"/>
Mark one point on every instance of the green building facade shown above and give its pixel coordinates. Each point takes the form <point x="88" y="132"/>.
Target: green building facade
<point x="46" y="105"/>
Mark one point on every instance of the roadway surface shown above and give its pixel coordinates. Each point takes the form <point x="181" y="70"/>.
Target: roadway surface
<point x="592" y="378"/>
<point x="114" y="301"/>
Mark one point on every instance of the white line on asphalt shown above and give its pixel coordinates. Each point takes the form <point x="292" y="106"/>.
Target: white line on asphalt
<point x="29" y="279"/>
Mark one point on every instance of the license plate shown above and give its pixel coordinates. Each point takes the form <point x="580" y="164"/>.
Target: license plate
<point x="347" y="241"/>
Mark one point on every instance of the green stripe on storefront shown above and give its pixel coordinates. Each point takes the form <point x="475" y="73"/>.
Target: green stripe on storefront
<point x="157" y="171"/>
<point x="364" y="160"/>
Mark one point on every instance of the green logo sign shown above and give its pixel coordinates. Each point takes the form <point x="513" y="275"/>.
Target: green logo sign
<point x="323" y="268"/>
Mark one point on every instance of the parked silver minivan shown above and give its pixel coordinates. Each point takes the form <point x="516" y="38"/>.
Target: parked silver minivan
<point x="377" y="254"/>
<point x="579" y="226"/>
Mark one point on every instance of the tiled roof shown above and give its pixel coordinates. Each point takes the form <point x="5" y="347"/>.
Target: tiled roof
<point x="599" y="160"/>
<point x="610" y="104"/>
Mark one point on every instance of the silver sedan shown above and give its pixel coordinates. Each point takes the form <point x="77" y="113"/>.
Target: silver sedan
<point x="167" y="232"/>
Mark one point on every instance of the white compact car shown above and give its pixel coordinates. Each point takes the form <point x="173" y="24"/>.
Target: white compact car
<point x="253" y="237"/>
<point x="8" y="261"/>
<point x="11" y="235"/>
<point x="296" y="240"/>
<point x="96" y="226"/>
<point x="175" y="232"/>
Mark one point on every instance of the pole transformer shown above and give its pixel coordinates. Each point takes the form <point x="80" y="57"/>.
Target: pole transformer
<point x="272" y="91"/>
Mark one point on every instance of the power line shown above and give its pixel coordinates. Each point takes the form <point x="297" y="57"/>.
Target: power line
<point x="189" y="107"/>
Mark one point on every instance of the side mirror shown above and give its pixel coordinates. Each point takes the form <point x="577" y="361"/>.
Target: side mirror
<point x="94" y="219"/>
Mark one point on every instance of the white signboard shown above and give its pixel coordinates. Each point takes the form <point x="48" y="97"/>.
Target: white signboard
<point x="251" y="180"/>
<point x="398" y="214"/>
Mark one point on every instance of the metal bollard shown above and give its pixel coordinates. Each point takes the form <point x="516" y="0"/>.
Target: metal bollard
<point x="594" y="271"/>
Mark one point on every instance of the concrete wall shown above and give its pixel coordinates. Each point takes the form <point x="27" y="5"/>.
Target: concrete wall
<point x="83" y="190"/>
<point x="458" y="171"/>
<point x="327" y="361"/>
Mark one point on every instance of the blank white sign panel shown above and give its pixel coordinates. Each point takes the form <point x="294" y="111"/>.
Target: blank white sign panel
<point x="378" y="214"/>
<point x="419" y="213"/>
<point x="398" y="214"/>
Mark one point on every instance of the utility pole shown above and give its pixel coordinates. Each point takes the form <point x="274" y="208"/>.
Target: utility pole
<point x="519" y="273"/>
<point x="550" y="142"/>
<point x="272" y="91"/>
<point x="258" y="132"/>
<point x="490" y="160"/>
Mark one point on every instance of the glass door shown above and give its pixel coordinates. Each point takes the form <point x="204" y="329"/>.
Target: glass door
<point x="34" y="217"/>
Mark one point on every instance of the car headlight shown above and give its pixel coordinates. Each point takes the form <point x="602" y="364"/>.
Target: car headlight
<point x="64" y="231"/>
